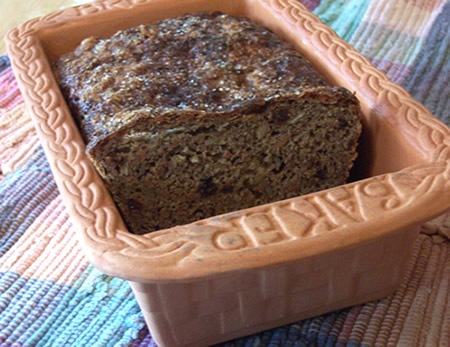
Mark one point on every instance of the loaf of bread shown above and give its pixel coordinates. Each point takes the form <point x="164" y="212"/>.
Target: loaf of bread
<point x="206" y="114"/>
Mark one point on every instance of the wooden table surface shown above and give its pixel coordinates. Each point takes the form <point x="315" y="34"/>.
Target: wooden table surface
<point x="15" y="12"/>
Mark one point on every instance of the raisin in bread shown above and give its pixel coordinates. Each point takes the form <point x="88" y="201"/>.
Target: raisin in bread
<point x="206" y="114"/>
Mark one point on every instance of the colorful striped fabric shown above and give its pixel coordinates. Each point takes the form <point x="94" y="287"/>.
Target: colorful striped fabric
<point x="51" y="296"/>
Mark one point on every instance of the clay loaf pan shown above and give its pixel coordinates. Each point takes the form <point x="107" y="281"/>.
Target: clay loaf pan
<point x="205" y="114"/>
<point x="253" y="269"/>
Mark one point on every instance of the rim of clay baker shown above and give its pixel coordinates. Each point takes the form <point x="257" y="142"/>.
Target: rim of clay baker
<point x="262" y="236"/>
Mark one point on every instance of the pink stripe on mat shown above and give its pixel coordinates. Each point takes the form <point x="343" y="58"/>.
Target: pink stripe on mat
<point x="405" y="16"/>
<point x="9" y="91"/>
<point x="48" y="251"/>
<point x="18" y="140"/>
<point x="348" y="325"/>
<point x="427" y="5"/>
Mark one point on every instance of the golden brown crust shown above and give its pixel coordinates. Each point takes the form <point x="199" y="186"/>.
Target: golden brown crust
<point x="209" y="62"/>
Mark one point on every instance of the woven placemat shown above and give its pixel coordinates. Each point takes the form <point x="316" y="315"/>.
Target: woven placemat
<point x="51" y="296"/>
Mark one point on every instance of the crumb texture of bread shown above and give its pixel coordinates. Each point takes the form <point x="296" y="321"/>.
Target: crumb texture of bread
<point x="205" y="114"/>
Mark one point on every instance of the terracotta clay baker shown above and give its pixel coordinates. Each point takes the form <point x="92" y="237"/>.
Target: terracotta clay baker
<point x="318" y="252"/>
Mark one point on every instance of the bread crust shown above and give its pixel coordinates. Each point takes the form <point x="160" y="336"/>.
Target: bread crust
<point x="207" y="62"/>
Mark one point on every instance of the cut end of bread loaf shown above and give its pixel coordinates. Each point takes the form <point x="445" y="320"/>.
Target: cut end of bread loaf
<point x="210" y="164"/>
